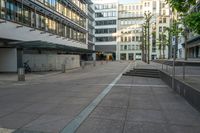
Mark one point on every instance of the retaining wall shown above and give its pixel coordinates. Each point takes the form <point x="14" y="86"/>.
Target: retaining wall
<point x="191" y="94"/>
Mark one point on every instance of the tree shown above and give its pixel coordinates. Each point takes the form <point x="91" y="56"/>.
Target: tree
<point x="162" y="42"/>
<point x="193" y="21"/>
<point x="159" y="43"/>
<point x="148" y="17"/>
<point x="182" y="7"/>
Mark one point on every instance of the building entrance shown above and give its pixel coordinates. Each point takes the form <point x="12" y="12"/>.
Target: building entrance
<point x="130" y="56"/>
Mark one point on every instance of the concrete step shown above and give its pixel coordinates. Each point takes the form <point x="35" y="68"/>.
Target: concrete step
<point x="141" y="75"/>
<point x="153" y="73"/>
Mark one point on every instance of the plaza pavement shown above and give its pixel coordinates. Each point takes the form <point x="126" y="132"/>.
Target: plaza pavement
<point x="131" y="105"/>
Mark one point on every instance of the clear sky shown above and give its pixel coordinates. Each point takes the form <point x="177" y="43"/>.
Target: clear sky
<point x="128" y="1"/>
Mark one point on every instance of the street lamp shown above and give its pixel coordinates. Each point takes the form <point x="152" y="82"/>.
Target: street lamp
<point x="148" y="17"/>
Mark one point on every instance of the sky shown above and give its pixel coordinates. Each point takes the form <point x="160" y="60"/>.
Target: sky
<point x="128" y="1"/>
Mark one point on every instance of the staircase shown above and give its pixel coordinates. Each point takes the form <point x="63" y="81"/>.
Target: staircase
<point x="152" y="73"/>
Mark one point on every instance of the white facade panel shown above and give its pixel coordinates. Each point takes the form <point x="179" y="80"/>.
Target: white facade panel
<point x="8" y="60"/>
<point x="51" y="62"/>
<point x="9" y="30"/>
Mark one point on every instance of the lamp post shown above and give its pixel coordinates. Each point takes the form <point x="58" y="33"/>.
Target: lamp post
<point x="148" y="17"/>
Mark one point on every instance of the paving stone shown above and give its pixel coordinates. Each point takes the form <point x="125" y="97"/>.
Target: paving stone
<point x="38" y="108"/>
<point x="93" y="125"/>
<point x="68" y="110"/>
<point x="109" y="113"/>
<point x="141" y="90"/>
<point x="162" y="90"/>
<point x="177" y="106"/>
<point x="49" y="123"/>
<point x="151" y="105"/>
<point x="145" y="127"/>
<point x="184" y="129"/>
<point x="145" y="115"/>
<point x="17" y="120"/>
<point x="120" y="103"/>
<point x="143" y="97"/>
<point x="182" y="118"/>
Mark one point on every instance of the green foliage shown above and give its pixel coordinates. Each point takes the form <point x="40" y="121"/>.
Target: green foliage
<point x="174" y="30"/>
<point x="193" y="21"/>
<point x="181" y="5"/>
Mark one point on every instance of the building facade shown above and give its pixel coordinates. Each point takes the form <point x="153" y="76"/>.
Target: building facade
<point x="125" y="34"/>
<point x="91" y="30"/>
<point x="193" y="41"/>
<point x="41" y="27"/>
<point x="130" y="21"/>
<point x="106" y="27"/>
<point x="132" y="42"/>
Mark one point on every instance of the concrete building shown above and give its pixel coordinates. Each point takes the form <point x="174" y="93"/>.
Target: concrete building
<point x="106" y="27"/>
<point x="131" y="39"/>
<point x="130" y="20"/>
<point x="47" y="33"/>
<point x="91" y="30"/>
<point x="161" y="48"/>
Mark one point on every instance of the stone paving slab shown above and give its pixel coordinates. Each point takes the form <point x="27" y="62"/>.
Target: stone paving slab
<point x="49" y="104"/>
<point x="150" y="107"/>
<point x="94" y="125"/>
<point x="134" y="104"/>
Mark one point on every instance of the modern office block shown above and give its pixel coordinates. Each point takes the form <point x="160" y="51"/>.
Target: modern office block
<point x="44" y="27"/>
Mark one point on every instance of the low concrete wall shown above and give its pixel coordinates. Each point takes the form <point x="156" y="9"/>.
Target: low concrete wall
<point x="8" y="60"/>
<point x="51" y="62"/>
<point x="191" y="94"/>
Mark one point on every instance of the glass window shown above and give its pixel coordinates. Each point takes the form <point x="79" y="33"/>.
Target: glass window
<point x="164" y="20"/>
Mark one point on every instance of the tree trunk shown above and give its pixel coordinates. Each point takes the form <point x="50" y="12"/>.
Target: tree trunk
<point x="163" y="52"/>
<point x="186" y="48"/>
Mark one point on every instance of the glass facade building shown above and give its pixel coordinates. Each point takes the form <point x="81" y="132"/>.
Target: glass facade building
<point x="63" y="18"/>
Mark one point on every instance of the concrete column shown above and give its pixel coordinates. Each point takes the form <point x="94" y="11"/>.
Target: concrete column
<point x="20" y="53"/>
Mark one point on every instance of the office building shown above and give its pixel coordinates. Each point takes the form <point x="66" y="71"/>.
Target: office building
<point x="47" y="33"/>
<point x="130" y="21"/>
<point x="106" y="27"/>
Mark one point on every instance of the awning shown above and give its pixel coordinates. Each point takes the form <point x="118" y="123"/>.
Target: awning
<point x="48" y="46"/>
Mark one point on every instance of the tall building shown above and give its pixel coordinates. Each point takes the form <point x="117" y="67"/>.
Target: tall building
<point x="106" y="27"/>
<point x="131" y="18"/>
<point x="41" y="28"/>
<point x="91" y="29"/>
<point x="119" y="29"/>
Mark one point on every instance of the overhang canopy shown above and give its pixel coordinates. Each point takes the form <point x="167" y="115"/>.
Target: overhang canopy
<point x="48" y="46"/>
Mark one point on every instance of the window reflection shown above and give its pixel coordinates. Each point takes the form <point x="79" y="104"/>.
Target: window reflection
<point x="14" y="11"/>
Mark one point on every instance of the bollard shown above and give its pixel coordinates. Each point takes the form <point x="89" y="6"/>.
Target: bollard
<point x="94" y="63"/>
<point x="21" y="74"/>
<point x="82" y="64"/>
<point x="63" y="68"/>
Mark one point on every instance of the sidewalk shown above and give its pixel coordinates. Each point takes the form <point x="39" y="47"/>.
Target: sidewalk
<point x="142" y="105"/>
<point x="131" y="104"/>
<point x="10" y="79"/>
